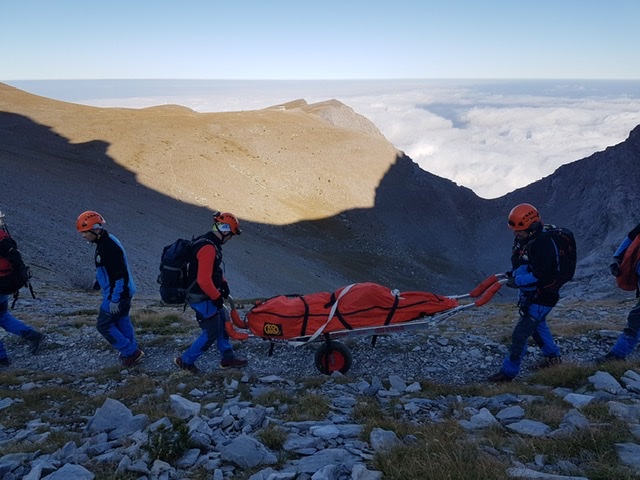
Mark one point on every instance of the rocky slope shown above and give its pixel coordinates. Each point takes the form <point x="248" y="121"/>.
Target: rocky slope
<point x="107" y="421"/>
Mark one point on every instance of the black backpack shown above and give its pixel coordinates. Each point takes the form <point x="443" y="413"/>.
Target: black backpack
<point x="565" y="243"/>
<point x="174" y="270"/>
<point x="14" y="274"/>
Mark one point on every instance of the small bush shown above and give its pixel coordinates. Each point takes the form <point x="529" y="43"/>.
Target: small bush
<point x="273" y="398"/>
<point x="309" y="406"/>
<point x="367" y="411"/>
<point x="273" y="437"/>
<point x="169" y="444"/>
<point x="314" y="382"/>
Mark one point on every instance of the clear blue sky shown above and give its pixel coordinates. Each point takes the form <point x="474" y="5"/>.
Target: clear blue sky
<point x="332" y="39"/>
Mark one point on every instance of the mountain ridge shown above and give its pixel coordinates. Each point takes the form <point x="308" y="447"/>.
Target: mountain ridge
<point x="324" y="199"/>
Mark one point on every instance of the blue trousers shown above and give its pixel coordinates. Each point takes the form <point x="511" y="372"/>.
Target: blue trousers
<point x="532" y="323"/>
<point x="118" y="329"/>
<point x="12" y="325"/>
<point x="211" y="321"/>
<point x="629" y="337"/>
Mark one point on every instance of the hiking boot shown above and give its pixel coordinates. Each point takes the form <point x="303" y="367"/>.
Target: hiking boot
<point x="548" y="362"/>
<point x="189" y="367"/>
<point x="233" y="362"/>
<point x="609" y="357"/>
<point x="5" y="362"/>
<point x="36" y="343"/>
<point x="500" y="377"/>
<point x="131" y="360"/>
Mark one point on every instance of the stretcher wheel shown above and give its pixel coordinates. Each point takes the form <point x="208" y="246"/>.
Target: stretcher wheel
<point x="332" y="357"/>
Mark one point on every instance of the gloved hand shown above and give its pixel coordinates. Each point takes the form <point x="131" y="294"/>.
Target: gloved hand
<point x="511" y="282"/>
<point x="114" y="308"/>
<point x="218" y="302"/>
<point x="224" y="290"/>
<point x="615" y="269"/>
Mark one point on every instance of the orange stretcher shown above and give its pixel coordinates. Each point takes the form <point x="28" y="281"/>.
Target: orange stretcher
<point x="357" y="309"/>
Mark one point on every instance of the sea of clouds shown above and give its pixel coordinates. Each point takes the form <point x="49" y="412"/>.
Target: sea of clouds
<point x="492" y="136"/>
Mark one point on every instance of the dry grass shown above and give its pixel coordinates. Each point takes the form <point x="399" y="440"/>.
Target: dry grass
<point x="370" y="414"/>
<point x="592" y="449"/>
<point x="309" y="406"/>
<point x="441" y="452"/>
<point x="58" y="404"/>
<point x="160" y="324"/>
<point x="273" y="437"/>
<point x="568" y="375"/>
<point x="274" y="398"/>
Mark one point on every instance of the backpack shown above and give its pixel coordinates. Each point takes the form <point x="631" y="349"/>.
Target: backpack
<point x="174" y="270"/>
<point x="14" y="274"/>
<point x="565" y="243"/>
<point x="628" y="278"/>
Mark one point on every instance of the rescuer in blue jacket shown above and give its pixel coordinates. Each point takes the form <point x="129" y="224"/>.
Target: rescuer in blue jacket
<point x="114" y="278"/>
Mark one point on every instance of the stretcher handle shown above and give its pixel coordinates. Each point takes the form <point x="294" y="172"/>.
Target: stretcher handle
<point x="486" y="283"/>
<point x="234" y="319"/>
<point x="235" y="316"/>
<point x="488" y="294"/>
<point x="233" y="333"/>
<point x="483" y="286"/>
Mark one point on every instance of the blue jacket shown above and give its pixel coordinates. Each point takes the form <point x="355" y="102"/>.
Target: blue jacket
<point x="112" y="269"/>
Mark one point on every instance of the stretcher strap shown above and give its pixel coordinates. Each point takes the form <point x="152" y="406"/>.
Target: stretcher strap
<point x="344" y="323"/>
<point x="396" y="300"/>
<point x="331" y="315"/>
<point x="305" y="319"/>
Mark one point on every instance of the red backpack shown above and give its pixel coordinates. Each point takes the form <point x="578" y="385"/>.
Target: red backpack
<point x="14" y="274"/>
<point x="628" y="278"/>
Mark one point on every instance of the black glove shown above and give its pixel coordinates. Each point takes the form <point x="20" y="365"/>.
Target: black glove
<point x="615" y="269"/>
<point x="224" y="290"/>
<point x="218" y="302"/>
<point x="511" y="282"/>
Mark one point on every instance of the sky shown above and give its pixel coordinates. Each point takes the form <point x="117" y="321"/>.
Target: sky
<point x="333" y="39"/>
<point x="403" y="65"/>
